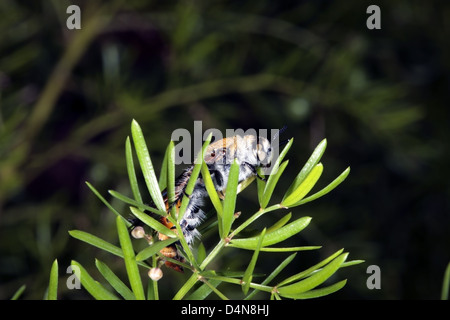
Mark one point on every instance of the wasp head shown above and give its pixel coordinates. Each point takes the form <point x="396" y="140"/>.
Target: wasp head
<point x="263" y="152"/>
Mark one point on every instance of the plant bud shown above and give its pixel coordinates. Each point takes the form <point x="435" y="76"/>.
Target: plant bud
<point x="155" y="274"/>
<point x="138" y="232"/>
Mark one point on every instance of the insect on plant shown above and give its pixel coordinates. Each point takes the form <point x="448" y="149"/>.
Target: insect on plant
<point x="225" y="168"/>
<point x="250" y="152"/>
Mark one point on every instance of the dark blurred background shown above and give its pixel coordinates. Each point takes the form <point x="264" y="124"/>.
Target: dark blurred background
<point x="380" y="97"/>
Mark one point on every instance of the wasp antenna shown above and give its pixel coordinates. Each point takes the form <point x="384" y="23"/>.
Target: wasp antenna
<point x="279" y="132"/>
<point x="283" y="129"/>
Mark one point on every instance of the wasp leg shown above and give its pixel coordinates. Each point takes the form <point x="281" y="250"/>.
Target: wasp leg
<point x="262" y="178"/>
<point x="252" y="168"/>
<point x="171" y="206"/>
<point x="177" y="202"/>
<point x="187" y="194"/>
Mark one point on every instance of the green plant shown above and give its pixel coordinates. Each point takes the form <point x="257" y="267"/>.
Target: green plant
<point x="302" y="285"/>
<point x="446" y="283"/>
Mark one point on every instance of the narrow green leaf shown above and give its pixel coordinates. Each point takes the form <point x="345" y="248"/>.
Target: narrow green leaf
<point x="310" y="270"/>
<point x="292" y="290"/>
<point x="310" y="164"/>
<point x="106" y="202"/>
<point x="153" y="223"/>
<point x="271" y="183"/>
<point x="194" y="176"/>
<point x="215" y="290"/>
<point x="201" y="253"/>
<point x="446" y="283"/>
<point x="280" y="223"/>
<point x="239" y="282"/>
<point x="204" y="290"/>
<point x="131" y="171"/>
<point x="273" y="237"/>
<point x="281" y="156"/>
<point x="53" y="284"/>
<point x="351" y="263"/>
<point x="96" y="242"/>
<point x="248" y="275"/>
<point x="208" y="225"/>
<point x="212" y="194"/>
<point x="290" y="249"/>
<point x="280" y="268"/>
<point x="162" y="182"/>
<point x="130" y="260"/>
<point x="170" y="155"/>
<point x="114" y="281"/>
<point x="316" y="293"/>
<point x="229" y="203"/>
<point x="135" y="203"/>
<point x="19" y="292"/>
<point x="327" y="189"/>
<point x="171" y="176"/>
<point x="260" y="184"/>
<point x="97" y="290"/>
<point x="302" y="190"/>
<point x="100" y="243"/>
<point x="186" y="249"/>
<point x="273" y="274"/>
<point x="263" y="186"/>
<point x="230" y="274"/>
<point x="146" y="165"/>
<point x="153" y="249"/>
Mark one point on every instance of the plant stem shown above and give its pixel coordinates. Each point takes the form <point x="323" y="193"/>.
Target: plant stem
<point x="213" y="288"/>
<point x="238" y="281"/>
<point x="260" y="212"/>
<point x="155" y="283"/>
<point x="212" y="254"/>
<point x="186" y="287"/>
<point x="195" y="276"/>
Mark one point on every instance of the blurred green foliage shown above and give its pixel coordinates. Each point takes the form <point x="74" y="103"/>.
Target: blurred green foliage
<point x="380" y="97"/>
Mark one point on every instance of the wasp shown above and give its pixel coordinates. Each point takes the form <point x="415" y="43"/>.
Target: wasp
<point x="250" y="152"/>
